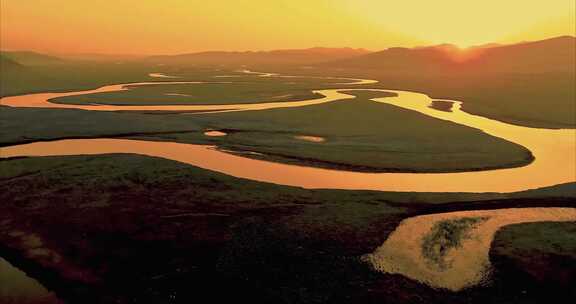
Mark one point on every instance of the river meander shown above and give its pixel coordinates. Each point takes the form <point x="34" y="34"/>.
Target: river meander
<point x="553" y="151"/>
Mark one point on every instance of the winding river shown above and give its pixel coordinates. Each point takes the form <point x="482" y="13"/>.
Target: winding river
<point x="555" y="160"/>
<point x="553" y="150"/>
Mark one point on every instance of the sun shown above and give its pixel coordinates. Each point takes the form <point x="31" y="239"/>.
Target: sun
<point x="465" y="23"/>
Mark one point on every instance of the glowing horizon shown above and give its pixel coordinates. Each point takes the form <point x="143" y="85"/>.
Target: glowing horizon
<point x="181" y="26"/>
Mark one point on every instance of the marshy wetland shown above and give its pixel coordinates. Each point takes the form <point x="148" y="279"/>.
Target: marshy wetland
<point x="287" y="152"/>
<point x="547" y="153"/>
<point x="209" y="180"/>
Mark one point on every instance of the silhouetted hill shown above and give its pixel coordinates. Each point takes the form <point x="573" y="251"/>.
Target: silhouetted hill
<point x="27" y="58"/>
<point x="295" y="56"/>
<point x="550" y="55"/>
<point x="398" y="59"/>
<point x="7" y="64"/>
<point x="101" y="57"/>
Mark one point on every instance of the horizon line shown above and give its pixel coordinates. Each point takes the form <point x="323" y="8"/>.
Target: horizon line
<point x="277" y="49"/>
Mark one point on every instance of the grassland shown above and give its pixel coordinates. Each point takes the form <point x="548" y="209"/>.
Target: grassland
<point x="361" y="135"/>
<point x="154" y="230"/>
<point x="542" y="100"/>
<point x="535" y="261"/>
<point x="68" y="77"/>
<point x="531" y="99"/>
<point x="126" y="228"/>
<point x="237" y="92"/>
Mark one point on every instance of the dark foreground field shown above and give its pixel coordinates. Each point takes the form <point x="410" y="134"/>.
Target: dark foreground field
<point x="131" y="229"/>
<point x="134" y="229"/>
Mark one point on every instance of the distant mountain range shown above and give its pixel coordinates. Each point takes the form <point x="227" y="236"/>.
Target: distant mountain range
<point x="550" y="55"/>
<point x="295" y="56"/>
<point x="555" y="54"/>
<point x="95" y="57"/>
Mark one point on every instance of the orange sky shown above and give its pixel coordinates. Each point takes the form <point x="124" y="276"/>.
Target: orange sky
<point x="177" y="26"/>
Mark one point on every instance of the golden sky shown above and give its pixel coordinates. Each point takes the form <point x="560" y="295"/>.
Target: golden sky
<point x="177" y="26"/>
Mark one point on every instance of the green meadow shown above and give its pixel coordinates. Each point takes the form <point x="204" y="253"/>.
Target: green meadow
<point x="360" y="134"/>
